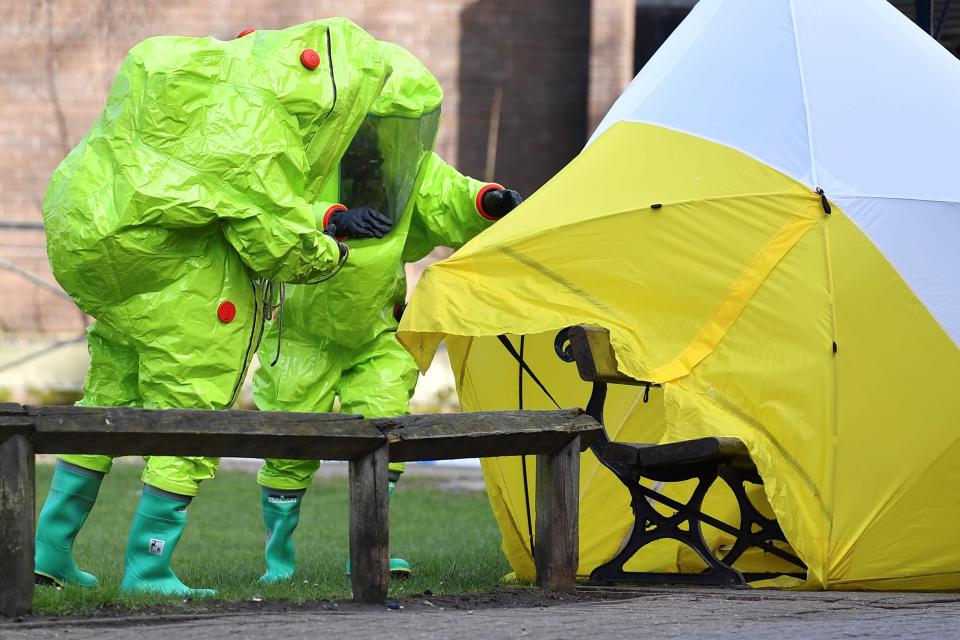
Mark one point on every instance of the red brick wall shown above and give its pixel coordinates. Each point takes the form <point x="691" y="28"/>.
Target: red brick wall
<point x="58" y="59"/>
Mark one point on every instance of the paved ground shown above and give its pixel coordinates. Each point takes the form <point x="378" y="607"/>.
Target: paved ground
<point x="677" y="613"/>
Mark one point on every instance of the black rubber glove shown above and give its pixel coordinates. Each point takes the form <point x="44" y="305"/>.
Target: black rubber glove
<point x="331" y="231"/>
<point x="499" y="202"/>
<point x="360" y="222"/>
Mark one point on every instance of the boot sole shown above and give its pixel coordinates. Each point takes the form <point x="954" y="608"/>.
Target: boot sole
<point x="46" y="581"/>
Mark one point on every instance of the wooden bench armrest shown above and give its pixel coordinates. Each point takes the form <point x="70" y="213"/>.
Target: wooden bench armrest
<point x="595" y="358"/>
<point x="653" y="456"/>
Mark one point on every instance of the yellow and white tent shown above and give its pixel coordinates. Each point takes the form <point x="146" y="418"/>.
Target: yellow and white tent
<point x="820" y="329"/>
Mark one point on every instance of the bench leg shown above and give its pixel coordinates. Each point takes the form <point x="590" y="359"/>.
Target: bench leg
<point x="558" y="505"/>
<point x="16" y="525"/>
<point x="369" y="527"/>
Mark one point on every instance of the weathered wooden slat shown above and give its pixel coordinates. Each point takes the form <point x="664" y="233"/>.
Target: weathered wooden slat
<point x="16" y="525"/>
<point x="129" y="431"/>
<point x="14" y="420"/>
<point x="557" y="541"/>
<point x="15" y="425"/>
<point x="369" y="527"/>
<point x="11" y="408"/>
<point x="650" y="456"/>
<point x="446" y="436"/>
<point x="121" y="419"/>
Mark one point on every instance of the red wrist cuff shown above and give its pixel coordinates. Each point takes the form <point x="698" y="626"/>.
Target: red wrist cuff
<point x="490" y="187"/>
<point x="326" y="219"/>
<point x="332" y="210"/>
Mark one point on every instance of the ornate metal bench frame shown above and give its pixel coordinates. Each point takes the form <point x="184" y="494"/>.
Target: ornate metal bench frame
<point x="705" y="460"/>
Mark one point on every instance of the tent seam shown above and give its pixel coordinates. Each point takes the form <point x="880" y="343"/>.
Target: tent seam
<point x="837" y="196"/>
<point x="803" y="93"/>
<point x="890" y="501"/>
<point x="798" y="224"/>
<point x="825" y="559"/>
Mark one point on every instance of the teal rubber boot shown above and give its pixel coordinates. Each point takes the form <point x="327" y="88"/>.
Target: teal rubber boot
<point x="73" y="492"/>
<point x="281" y="514"/>
<point x="399" y="568"/>
<point x="156" y="530"/>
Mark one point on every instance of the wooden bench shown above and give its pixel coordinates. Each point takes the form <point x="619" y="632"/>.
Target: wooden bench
<point x="705" y="460"/>
<point x="556" y="437"/>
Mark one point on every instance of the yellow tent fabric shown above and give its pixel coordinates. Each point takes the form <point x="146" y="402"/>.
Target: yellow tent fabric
<point x="766" y="221"/>
<point x="764" y="317"/>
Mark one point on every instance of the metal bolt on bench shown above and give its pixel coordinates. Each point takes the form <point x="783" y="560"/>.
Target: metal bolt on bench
<point x="703" y="459"/>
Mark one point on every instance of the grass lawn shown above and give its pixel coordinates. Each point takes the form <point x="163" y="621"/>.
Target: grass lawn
<point x="451" y="539"/>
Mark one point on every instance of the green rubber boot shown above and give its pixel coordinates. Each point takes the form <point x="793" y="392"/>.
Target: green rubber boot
<point x="399" y="568"/>
<point x="72" y="494"/>
<point x="156" y="530"/>
<point x="281" y="514"/>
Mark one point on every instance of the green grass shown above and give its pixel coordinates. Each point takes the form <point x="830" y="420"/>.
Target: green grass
<point x="451" y="539"/>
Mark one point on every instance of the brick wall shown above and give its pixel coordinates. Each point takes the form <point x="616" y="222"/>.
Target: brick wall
<point x="612" y="26"/>
<point x="538" y="53"/>
<point x="58" y="59"/>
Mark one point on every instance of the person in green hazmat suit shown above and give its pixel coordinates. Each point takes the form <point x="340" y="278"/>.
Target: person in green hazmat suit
<point x="203" y="182"/>
<point x="337" y="339"/>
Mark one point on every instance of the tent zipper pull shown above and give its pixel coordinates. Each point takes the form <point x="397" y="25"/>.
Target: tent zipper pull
<point x="823" y="201"/>
<point x="646" y="394"/>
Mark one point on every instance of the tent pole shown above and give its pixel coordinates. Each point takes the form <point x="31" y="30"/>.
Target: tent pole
<point x="942" y="20"/>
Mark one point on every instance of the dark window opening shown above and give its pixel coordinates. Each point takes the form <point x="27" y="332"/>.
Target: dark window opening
<point x="654" y="25"/>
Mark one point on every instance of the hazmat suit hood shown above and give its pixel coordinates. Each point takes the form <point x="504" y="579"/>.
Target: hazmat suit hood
<point x="381" y="165"/>
<point x="381" y="168"/>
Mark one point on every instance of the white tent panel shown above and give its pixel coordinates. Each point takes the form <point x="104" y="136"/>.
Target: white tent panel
<point x="729" y="74"/>
<point x="883" y="99"/>
<point x="920" y="240"/>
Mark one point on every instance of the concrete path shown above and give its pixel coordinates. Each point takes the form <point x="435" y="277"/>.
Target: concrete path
<point x="677" y="613"/>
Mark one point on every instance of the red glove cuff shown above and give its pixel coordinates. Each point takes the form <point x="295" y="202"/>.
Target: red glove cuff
<point x="493" y="186"/>
<point x="326" y="217"/>
<point x="332" y="210"/>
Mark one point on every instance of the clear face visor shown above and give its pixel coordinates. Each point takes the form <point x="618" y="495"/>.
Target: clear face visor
<point x="380" y="167"/>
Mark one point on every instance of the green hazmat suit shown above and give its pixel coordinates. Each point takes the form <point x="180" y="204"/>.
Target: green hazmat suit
<point x="337" y="339"/>
<point x="199" y="184"/>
